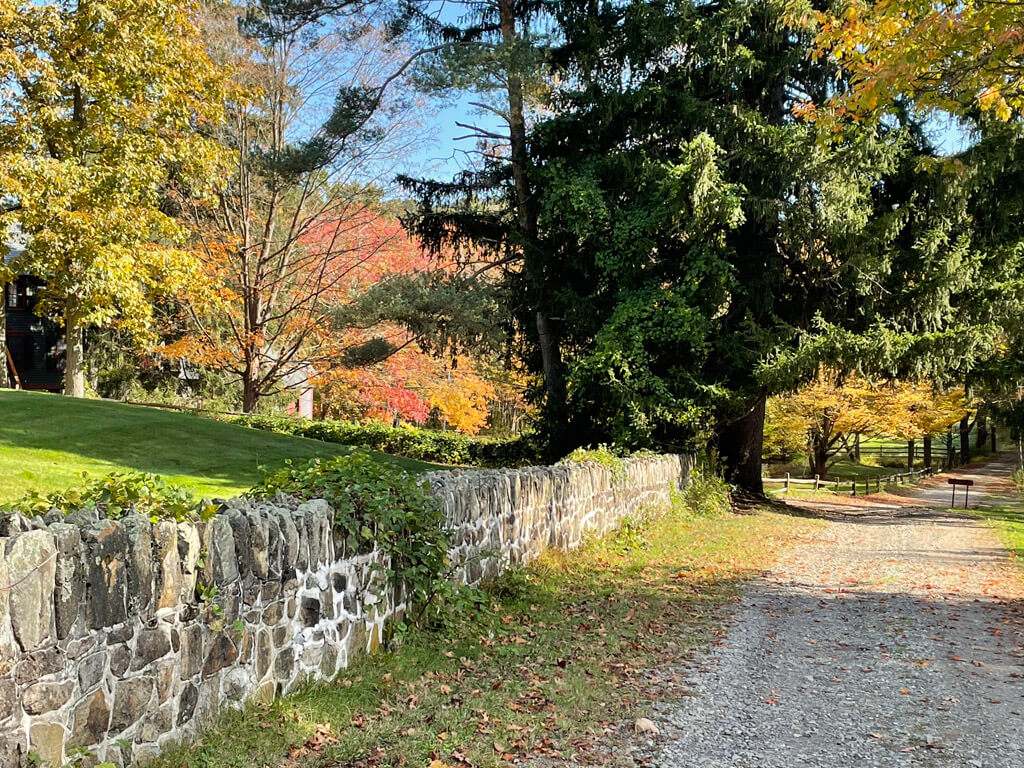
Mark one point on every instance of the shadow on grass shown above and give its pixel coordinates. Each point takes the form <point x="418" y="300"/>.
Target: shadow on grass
<point x="561" y="660"/>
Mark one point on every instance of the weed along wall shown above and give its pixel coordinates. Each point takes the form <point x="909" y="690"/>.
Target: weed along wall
<point x="122" y="636"/>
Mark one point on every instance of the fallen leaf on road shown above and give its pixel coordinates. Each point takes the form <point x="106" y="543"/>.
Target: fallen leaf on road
<point x="643" y="725"/>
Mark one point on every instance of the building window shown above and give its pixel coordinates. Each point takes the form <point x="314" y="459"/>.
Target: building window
<point x="12" y="295"/>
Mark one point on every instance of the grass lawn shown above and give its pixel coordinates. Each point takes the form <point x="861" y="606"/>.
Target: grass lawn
<point x="844" y="470"/>
<point x="47" y="441"/>
<point x="556" y="663"/>
<point x="851" y="470"/>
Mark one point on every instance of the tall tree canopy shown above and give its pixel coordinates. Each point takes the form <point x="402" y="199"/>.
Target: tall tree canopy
<point x="489" y="216"/>
<point x="318" y="115"/>
<point x="101" y="103"/>
<point x="692" y="225"/>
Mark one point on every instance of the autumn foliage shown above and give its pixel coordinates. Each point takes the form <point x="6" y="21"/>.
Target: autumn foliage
<point x="824" y="416"/>
<point x="953" y="57"/>
<point x="339" y="259"/>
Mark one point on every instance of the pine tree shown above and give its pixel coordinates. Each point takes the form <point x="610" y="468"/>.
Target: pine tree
<point x="709" y="248"/>
<point x="498" y="49"/>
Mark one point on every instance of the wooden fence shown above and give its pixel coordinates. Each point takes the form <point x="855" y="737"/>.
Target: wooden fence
<point x="852" y="487"/>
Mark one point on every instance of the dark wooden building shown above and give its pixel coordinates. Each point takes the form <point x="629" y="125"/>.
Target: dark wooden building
<point x="35" y="345"/>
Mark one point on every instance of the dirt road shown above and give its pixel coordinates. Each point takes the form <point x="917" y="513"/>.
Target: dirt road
<point x="894" y="638"/>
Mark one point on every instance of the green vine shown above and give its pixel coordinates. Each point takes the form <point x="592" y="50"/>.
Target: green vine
<point x="375" y="505"/>
<point x="117" y="495"/>
<point x="604" y="455"/>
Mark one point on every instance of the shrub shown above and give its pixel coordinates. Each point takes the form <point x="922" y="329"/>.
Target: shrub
<point x="119" y="494"/>
<point x="412" y="442"/>
<point x="604" y="455"/>
<point x="707" y="494"/>
<point x="375" y="505"/>
<point x="1018" y="477"/>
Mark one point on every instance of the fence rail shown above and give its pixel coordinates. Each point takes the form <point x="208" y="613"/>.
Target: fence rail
<point x="851" y="486"/>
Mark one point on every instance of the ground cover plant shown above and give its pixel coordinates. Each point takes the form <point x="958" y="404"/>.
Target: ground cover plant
<point x="116" y="495"/>
<point x="375" y="505"/>
<point x="555" y="663"/>
<point x="47" y="441"/>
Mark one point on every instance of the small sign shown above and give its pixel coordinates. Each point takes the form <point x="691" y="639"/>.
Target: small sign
<point x="955" y="481"/>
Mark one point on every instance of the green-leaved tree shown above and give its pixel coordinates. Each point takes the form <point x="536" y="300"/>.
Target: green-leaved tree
<point x="103" y="101"/>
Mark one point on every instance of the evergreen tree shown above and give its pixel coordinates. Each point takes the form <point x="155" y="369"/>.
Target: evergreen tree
<point x="498" y="49"/>
<point x="709" y="248"/>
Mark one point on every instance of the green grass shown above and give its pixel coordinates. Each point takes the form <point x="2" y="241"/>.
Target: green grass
<point x="845" y="470"/>
<point x="850" y="470"/>
<point x="47" y="441"/>
<point x="554" y="664"/>
<point x="1009" y="523"/>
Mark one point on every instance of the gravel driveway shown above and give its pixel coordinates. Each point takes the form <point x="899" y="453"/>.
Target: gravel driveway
<point x="894" y="638"/>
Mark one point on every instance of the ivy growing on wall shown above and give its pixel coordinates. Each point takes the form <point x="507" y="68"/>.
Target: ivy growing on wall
<point x="375" y="506"/>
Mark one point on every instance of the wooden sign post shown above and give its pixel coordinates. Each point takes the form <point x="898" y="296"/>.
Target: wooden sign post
<point x="955" y="481"/>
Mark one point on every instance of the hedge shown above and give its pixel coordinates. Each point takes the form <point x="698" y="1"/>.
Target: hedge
<point x="412" y="442"/>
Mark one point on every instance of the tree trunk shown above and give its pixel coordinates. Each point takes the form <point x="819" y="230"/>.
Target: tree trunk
<point x="927" y="451"/>
<point x="856" y="447"/>
<point x="250" y="392"/>
<point x="5" y="380"/>
<point x="819" y="459"/>
<point x="526" y="218"/>
<point x="740" y="444"/>
<point x="965" y="439"/>
<point x="74" y="358"/>
<point x="982" y="436"/>
<point x="950" y="455"/>
<point x="911" y="444"/>
<point x="992" y="434"/>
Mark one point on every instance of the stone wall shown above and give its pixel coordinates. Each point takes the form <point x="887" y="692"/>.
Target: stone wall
<point x="125" y="636"/>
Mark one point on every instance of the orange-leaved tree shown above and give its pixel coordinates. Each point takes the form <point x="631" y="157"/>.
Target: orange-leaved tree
<point x="411" y="385"/>
<point x="317" y="116"/>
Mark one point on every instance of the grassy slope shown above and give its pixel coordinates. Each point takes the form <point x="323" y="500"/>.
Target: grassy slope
<point x="555" y="664"/>
<point x="47" y="441"/>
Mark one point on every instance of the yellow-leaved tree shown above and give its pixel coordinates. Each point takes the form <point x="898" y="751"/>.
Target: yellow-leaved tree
<point x="102" y="105"/>
<point x="953" y="57"/>
<point x="829" y="411"/>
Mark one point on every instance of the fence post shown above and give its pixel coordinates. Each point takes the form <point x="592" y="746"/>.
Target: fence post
<point x="837" y="485"/>
<point x="816" y="482"/>
<point x="854" y="484"/>
<point x="785" y="488"/>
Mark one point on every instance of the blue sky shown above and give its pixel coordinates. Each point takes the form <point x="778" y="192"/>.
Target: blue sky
<point x="443" y="156"/>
